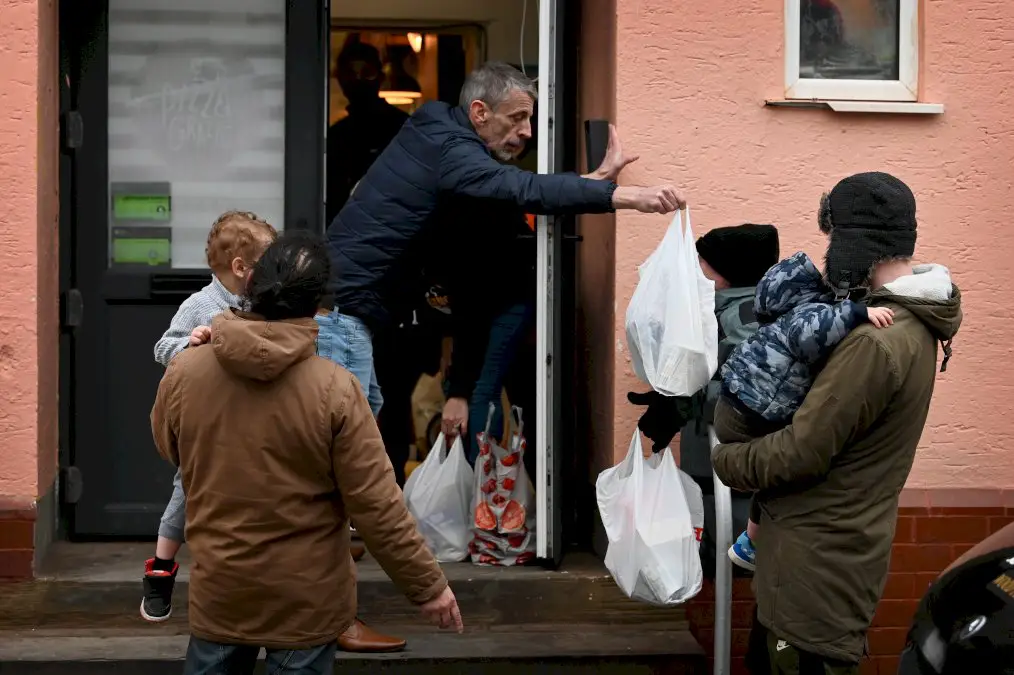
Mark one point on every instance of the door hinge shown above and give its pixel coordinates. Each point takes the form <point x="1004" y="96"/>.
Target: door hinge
<point x="71" y="130"/>
<point x="71" y="309"/>
<point x="71" y="484"/>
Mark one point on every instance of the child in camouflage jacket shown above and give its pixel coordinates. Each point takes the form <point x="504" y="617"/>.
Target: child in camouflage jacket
<point x="767" y="376"/>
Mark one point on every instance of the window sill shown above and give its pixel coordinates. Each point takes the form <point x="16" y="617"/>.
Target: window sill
<point x="882" y="107"/>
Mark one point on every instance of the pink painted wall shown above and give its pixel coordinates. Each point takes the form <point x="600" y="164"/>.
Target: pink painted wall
<point x="690" y="88"/>
<point x="29" y="269"/>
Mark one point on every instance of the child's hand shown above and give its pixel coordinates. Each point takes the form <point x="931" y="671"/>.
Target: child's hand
<point x="881" y="317"/>
<point x="200" y="335"/>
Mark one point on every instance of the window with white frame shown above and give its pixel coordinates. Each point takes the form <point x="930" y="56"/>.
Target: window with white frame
<point x="852" y="50"/>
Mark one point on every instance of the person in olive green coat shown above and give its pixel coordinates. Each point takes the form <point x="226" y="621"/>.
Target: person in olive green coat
<point x="828" y="483"/>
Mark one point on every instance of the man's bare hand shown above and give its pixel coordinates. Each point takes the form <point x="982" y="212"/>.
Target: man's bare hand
<point x="200" y="336"/>
<point x="443" y="611"/>
<point x="455" y="417"/>
<point x="661" y="199"/>
<point x="615" y="160"/>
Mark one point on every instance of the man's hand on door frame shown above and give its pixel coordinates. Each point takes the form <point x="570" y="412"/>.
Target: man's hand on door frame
<point x="615" y="160"/>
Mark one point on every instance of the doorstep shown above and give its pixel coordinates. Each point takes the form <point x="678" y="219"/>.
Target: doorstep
<point x="80" y="616"/>
<point x="513" y="649"/>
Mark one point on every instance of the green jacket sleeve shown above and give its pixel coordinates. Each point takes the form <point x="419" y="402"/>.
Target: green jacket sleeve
<point x="848" y="396"/>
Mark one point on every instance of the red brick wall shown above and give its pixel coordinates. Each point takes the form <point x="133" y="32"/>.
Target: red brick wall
<point x="701" y="614"/>
<point x="927" y="540"/>
<point x="17" y="540"/>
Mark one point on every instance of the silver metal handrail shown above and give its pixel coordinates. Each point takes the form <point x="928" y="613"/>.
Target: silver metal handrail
<point x="723" y="569"/>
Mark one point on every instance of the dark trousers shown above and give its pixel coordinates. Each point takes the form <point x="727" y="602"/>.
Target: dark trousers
<point x="769" y="655"/>
<point x="520" y="386"/>
<point x="401" y="355"/>
<point x="212" y="658"/>
<point x="506" y="335"/>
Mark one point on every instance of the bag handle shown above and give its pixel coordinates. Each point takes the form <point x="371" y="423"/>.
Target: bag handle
<point x="516" y="423"/>
<point x="489" y="418"/>
<point x="455" y="448"/>
<point x="688" y="230"/>
<point x="688" y="235"/>
<point x="635" y="453"/>
<point x="443" y="448"/>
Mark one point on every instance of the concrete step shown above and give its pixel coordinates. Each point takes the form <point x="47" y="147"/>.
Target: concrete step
<point x="81" y="617"/>
<point x="507" y="649"/>
<point x="99" y="586"/>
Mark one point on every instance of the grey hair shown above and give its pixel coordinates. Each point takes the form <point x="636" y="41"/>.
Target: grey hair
<point x="492" y="83"/>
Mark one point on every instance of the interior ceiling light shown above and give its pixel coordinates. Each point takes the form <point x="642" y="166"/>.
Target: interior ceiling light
<point x="415" y="41"/>
<point x="389" y="95"/>
<point x="400" y="85"/>
<point x="398" y="100"/>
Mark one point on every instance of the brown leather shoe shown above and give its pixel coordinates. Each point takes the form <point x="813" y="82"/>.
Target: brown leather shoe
<point x="358" y="551"/>
<point x="362" y="639"/>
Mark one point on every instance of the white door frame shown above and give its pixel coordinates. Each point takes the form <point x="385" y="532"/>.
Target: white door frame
<point x="545" y="307"/>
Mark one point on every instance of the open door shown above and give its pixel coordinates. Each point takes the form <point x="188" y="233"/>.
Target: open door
<point x="549" y="238"/>
<point x="184" y="109"/>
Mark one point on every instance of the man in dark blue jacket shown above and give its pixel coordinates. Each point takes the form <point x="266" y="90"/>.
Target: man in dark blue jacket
<point x="441" y="165"/>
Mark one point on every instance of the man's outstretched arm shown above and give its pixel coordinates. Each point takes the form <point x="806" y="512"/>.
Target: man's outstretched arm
<point x="466" y="168"/>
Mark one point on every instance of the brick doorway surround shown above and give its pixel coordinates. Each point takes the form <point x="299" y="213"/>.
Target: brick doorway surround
<point x="29" y="282"/>
<point x="27" y="527"/>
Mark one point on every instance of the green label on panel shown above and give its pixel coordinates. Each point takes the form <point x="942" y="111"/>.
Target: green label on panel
<point x="141" y="251"/>
<point x="141" y="207"/>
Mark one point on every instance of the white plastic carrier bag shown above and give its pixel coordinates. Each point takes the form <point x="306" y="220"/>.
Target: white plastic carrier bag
<point x="672" y="332"/>
<point x="653" y="515"/>
<point x="439" y="497"/>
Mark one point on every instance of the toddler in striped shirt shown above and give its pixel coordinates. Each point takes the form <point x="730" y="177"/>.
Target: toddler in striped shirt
<point x="236" y="241"/>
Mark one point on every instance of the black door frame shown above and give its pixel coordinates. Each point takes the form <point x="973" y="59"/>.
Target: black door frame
<point x="71" y="36"/>
<point x="573" y="504"/>
<point x="84" y="40"/>
<point x="573" y="463"/>
<point x="307" y="48"/>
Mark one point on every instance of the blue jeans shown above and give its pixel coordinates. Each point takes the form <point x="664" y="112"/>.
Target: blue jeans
<point x="506" y="332"/>
<point x="348" y="342"/>
<point x="212" y="658"/>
